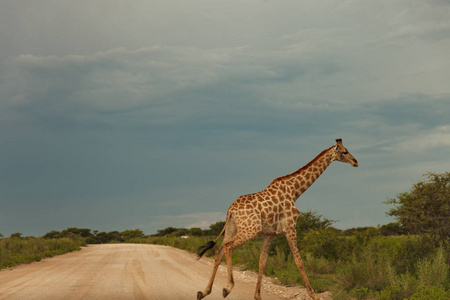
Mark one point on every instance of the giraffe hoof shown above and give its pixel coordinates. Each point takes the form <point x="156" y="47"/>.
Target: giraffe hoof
<point x="225" y="293"/>
<point x="199" y="295"/>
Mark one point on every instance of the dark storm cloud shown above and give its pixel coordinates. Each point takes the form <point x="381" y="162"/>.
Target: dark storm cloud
<point x="126" y="114"/>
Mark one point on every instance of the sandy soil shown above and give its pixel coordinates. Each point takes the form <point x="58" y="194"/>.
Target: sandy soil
<point x="131" y="271"/>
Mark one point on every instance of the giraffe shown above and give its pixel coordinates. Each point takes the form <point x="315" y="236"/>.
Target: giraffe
<point x="271" y="212"/>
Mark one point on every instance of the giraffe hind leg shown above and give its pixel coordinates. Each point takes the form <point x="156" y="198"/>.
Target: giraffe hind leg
<point x="228" y="255"/>
<point x="217" y="261"/>
<point x="230" y="232"/>
<point x="235" y="242"/>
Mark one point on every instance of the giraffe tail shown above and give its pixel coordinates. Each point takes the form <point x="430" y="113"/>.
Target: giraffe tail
<point x="204" y="248"/>
<point x="209" y="245"/>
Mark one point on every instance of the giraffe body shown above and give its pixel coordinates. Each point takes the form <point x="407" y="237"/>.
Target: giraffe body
<point x="271" y="212"/>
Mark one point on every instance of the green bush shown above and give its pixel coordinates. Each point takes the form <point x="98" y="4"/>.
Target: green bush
<point x="318" y="265"/>
<point x="361" y="263"/>
<point x="361" y="293"/>
<point x="15" y="251"/>
<point x="391" y="293"/>
<point x="432" y="271"/>
<point x="365" y="265"/>
<point x="431" y="293"/>
<point x="410" y="250"/>
<point x="320" y="284"/>
<point x="283" y="267"/>
<point x="370" y="270"/>
<point x="401" y="286"/>
<point x="322" y="243"/>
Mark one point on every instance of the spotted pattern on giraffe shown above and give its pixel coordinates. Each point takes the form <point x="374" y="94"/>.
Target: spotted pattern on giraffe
<point x="271" y="212"/>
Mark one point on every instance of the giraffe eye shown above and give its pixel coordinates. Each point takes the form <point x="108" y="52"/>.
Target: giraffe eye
<point x="345" y="153"/>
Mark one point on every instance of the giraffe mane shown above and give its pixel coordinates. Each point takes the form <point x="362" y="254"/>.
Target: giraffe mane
<point x="302" y="168"/>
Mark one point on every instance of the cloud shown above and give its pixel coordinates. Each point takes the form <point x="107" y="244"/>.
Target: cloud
<point x="434" y="30"/>
<point x="156" y="86"/>
<point x="426" y="110"/>
<point x="162" y="107"/>
<point x="424" y="141"/>
<point x="115" y="80"/>
<point x="426" y="21"/>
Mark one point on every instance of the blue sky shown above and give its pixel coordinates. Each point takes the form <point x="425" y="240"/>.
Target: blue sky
<point x="117" y="115"/>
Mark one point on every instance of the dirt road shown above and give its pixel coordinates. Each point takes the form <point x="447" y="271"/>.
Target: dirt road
<point x="130" y="271"/>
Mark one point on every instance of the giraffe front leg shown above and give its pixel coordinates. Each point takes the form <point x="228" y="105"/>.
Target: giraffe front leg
<point x="262" y="263"/>
<point x="217" y="261"/>
<point x="292" y="240"/>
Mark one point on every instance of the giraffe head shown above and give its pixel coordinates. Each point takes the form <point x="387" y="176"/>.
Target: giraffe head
<point x="340" y="153"/>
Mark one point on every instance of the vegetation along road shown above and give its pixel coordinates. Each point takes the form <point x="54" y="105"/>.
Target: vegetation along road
<point x="129" y="271"/>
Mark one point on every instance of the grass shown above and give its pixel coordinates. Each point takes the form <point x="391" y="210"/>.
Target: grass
<point x="363" y="266"/>
<point x="16" y="250"/>
<point x="397" y="267"/>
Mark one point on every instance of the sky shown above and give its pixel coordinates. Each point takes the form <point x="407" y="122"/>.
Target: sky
<point x="130" y="114"/>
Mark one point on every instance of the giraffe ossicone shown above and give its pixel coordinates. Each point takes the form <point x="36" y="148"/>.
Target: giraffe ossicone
<point x="271" y="212"/>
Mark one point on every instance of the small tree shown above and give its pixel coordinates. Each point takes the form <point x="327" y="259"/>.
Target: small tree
<point x="216" y="228"/>
<point x="17" y="235"/>
<point x="52" y="235"/>
<point x="166" y="231"/>
<point x="180" y="232"/>
<point x="195" y="231"/>
<point x="426" y="207"/>
<point x="322" y="243"/>
<point x="116" y="236"/>
<point x="132" y="233"/>
<point x="100" y="238"/>
<point x="393" y="228"/>
<point x="311" y="220"/>
<point x="83" y="232"/>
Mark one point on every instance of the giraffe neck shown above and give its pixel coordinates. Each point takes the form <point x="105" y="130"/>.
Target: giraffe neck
<point x="296" y="183"/>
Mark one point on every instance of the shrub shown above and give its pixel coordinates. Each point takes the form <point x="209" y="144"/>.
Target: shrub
<point x="248" y="255"/>
<point x="361" y="293"/>
<point x="318" y="265"/>
<point x="371" y="270"/>
<point x="409" y="251"/>
<point x="433" y="271"/>
<point x="390" y="229"/>
<point x="431" y="293"/>
<point x="401" y="286"/>
<point x="196" y="231"/>
<point x="15" y="251"/>
<point x="16" y="235"/>
<point x="319" y="284"/>
<point x="322" y="243"/>
<point x="391" y="293"/>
